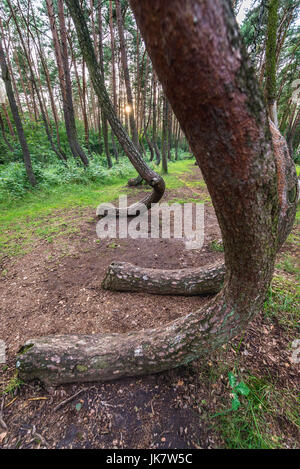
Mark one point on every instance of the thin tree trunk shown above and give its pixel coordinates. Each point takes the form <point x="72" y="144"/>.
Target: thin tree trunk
<point x="49" y="85"/>
<point x="271" y="84"/>
<point x="34" y="84"/>
<point x="6" y="51"/>
<point x="170" y="140"/>
<point x="138" y="81"/>
<point x="164" y="138"/>
<point x="16" y="116"/>
<point x="2" y="126"/>
<point x="154" y="130"/>
<point x="103" y="115"/>
<point x="11" y="130"/>
<point x="177" y="139"/>
<point x="16" y="58"/>
<point x="133" y="127"/>
<point x="113" y="68"/>
<point x="61" y="53"/>
<point x="66" y="69"/>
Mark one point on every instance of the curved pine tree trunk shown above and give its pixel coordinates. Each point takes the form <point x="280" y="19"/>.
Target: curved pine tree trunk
<point x="250" y="176"/>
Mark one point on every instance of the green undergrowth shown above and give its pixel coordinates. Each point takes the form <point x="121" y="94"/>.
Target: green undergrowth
<point x="258" y="411"/>
<point x="282" y="303"/>
<point x="258" y="415"/>
<point x="48" y="212"/>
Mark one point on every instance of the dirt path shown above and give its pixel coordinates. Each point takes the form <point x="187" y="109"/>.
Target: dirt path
<point x="56" y="289"/>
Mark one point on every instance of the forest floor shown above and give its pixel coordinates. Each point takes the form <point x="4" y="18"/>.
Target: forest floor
<point x="51" y="268"/>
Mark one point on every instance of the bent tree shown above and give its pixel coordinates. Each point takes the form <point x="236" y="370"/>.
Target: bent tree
<point x="197" y="52"/>
<point x="96" y="74"/>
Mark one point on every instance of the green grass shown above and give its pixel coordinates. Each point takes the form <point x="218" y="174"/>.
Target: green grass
<point x="282" y="303"/>
<point x="290" y="265"/>
<point x="13" y="386"/>
<point x="257" y="422"/>
<point x="217" y="246"/>
<point x="298" y="207"/>
<point x="28" y="217"/>
<point x="294" y="238"/>
<point x="251" y="411"/>
<point x="188" y="200"/>
<point x="298" y="213"/>
<point x="45" y="212"/>
<point x="181" y="166"/>
<point x="195" y="183"/>
<point x="257" y="412"/>
<point x="45" y="201"/>
<point x="176" y="169"/>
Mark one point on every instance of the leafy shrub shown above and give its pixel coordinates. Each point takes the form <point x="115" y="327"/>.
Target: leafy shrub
<point x="14" y="182"/>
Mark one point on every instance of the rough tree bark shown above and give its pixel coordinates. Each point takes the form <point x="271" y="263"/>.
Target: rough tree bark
<point x="193" y="281"/>
<point x="253" y="186"/>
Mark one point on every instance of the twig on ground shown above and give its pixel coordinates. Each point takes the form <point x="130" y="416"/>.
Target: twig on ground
<point x="66" y="401"/>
